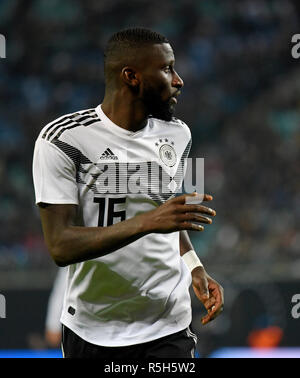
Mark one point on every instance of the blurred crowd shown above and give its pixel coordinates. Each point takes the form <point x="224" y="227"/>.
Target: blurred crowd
<point x="241" y="100"/>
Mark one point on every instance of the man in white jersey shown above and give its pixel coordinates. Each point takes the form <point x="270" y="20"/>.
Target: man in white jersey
<point x="98" y="178"/>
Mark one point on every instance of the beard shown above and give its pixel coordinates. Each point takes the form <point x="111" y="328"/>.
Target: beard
<point x="156" y="107"/>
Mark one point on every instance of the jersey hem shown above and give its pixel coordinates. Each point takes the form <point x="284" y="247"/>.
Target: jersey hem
<point x="125" y="342"/>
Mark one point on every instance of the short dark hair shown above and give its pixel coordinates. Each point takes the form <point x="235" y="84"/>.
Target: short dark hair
<point x="121" y="45"/>
<point x="137" y="35"/>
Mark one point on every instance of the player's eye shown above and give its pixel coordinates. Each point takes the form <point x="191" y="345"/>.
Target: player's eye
<point x="168" y="69"/>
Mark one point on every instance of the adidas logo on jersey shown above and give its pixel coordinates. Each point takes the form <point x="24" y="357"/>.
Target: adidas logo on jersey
<point x="108" y="154"/>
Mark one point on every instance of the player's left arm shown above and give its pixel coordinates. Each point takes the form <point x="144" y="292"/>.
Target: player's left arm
<point x="207" y="290"/>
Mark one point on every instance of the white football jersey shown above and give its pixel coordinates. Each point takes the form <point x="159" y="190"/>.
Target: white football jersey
<point x="141" y="291"/>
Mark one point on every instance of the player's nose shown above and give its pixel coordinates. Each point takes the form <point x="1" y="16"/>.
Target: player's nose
<point x="177" y="81"/>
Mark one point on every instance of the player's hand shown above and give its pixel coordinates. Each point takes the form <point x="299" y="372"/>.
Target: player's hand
<point x="176" y="215"/>
<point x="209" y="292"/>
<point x="53" y="338"/>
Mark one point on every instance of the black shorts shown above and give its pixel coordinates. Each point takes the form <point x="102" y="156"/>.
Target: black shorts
<point x="178" y="345"/>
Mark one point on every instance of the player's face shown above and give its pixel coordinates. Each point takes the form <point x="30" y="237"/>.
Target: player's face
<point x="161" y="84"/>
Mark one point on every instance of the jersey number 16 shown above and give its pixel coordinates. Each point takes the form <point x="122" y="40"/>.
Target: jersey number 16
<point x="111" y="212"/>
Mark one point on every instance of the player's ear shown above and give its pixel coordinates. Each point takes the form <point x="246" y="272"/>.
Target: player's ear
<point x="130" y="76"/>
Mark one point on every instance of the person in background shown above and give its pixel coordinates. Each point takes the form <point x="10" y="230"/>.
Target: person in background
<point x="53" y="327"/>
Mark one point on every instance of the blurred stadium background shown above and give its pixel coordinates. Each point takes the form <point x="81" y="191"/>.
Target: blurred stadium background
<point x="242" y="102"/>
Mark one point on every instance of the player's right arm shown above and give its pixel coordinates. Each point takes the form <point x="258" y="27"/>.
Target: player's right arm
<point x="56" y="189"/>
<point x="69" y="243"/>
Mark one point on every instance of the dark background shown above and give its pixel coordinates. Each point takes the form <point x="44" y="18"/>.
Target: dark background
<point x="241" y="101"/>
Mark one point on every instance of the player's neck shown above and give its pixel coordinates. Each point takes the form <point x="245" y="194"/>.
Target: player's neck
<point x="125" y="111"/>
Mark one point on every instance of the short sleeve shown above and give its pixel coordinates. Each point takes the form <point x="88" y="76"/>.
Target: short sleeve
<point x="54" y="175"/>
